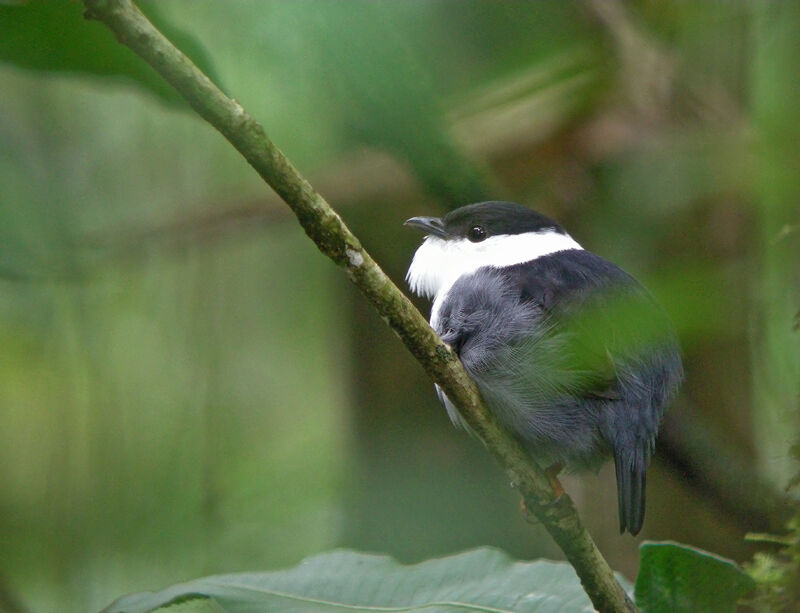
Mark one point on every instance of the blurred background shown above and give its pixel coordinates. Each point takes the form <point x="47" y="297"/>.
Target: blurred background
<point x="188" y="387"/>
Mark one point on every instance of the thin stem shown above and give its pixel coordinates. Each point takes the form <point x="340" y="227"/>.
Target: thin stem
<point x="324" y="226"/>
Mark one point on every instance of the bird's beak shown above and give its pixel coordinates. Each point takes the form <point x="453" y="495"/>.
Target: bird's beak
<point x="429" y="225"/>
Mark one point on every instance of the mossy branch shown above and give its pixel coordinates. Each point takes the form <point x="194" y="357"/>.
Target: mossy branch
<point x="324" y="226"/>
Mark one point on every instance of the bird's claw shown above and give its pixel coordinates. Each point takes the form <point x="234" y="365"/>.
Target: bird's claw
<point x="552" y="474"/>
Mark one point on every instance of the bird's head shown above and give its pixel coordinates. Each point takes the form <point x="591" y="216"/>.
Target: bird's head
<point x="494" y="234"/>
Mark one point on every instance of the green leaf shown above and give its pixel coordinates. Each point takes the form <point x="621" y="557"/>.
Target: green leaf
<point x="53" y="36"/>
<point x="676" y="578"/>
<point x="479" y="580"/>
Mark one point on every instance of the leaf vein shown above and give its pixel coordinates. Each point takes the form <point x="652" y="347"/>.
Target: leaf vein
<point x="355" y="607"/>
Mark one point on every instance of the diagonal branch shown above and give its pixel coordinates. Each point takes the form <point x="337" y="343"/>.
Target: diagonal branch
<point x="324" y="226"/>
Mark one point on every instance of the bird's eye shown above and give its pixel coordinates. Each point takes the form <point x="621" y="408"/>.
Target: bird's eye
<point x="476" y="234"/>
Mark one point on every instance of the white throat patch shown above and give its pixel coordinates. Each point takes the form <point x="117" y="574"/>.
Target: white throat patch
<point x="438" y="263"/>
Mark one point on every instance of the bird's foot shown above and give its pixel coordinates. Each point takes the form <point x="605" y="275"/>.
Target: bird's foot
<point x="558" y="491"/>
<point x="552" y="474"/>
<point x="527" y="514"/>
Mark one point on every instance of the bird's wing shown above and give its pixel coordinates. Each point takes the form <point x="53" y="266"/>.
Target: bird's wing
<point x="608" y="317"/>
<point x="510" y="347"/>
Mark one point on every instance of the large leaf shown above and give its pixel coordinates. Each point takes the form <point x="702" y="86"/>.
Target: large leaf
<point x="53" y="36"/>
<point x="479" y="580"/>
<point x="676" y="578"/>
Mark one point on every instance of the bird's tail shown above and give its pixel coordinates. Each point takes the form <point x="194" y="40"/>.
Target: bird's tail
<point x="631" y="479"/>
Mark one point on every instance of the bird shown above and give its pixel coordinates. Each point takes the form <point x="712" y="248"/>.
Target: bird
<point x="572" y="354"/>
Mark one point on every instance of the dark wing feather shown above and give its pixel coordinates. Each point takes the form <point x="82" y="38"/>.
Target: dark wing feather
<point x="613" y="325"/>
<point x="603" y="309"/>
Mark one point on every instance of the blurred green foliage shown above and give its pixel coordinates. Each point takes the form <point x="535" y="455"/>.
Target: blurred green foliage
<point x="675" y="578"/>
<point x="184" y="401"/>
<point x="49" y="35"/>
<point x="777" y="571"/>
